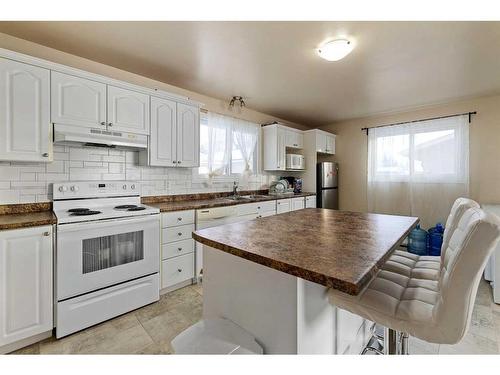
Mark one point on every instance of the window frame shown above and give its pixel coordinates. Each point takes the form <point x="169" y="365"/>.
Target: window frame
<point x="411" y="130"/>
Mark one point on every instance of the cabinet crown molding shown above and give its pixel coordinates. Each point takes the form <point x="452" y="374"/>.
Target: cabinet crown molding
<point x="27" y="59"/>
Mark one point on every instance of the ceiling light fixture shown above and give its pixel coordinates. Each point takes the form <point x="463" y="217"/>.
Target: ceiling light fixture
<point x="237" y="99"/>
<point x="335" y="50"/>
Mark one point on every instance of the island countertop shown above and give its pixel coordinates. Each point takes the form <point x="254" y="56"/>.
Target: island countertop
<point x="338" y="249"/>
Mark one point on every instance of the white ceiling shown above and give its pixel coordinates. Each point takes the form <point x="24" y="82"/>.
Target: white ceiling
<point x="274" y="65"/>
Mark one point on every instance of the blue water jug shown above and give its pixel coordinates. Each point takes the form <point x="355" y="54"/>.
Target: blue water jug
<point x="417" y="241"/>
<point x="436" y="239"/>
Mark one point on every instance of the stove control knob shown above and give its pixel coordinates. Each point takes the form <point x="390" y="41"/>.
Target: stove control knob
<point x="124" y="187"/>
<point x="132" y="187"/>
<point x="74" y="188"/>
<point x="63" y="188"/>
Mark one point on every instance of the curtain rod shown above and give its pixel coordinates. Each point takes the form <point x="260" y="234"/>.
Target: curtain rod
<point x="425" y="119"/>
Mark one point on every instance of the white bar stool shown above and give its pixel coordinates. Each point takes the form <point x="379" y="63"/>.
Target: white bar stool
<point x="437" y="311"/>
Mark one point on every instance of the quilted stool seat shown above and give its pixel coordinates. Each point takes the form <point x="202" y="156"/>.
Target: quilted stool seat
<point x="438" y="310"/>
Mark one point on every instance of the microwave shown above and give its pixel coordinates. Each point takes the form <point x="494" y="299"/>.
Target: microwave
<point x="295" y="161"/>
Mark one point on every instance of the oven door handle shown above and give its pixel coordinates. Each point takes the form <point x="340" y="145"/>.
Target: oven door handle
<point x="107" y="223"/>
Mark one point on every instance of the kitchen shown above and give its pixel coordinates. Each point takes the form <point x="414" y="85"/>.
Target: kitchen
<point x="146" y="218"/>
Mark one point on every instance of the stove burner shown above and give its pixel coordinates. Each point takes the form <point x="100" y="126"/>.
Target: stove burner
<point x="136" y="209"/>
<point x="78" y="210"/>
<point x="85" y="213"/>
<point x="125" y="207"/>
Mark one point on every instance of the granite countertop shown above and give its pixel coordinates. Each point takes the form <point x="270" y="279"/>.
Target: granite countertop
<point x="195" y="204"/>
<point x="338" y="249"/>
<point x="14" y="216"/>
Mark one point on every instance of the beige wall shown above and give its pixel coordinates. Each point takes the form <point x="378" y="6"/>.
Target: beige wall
<point x="211" y="104"/>
<point x="351" y="149"/>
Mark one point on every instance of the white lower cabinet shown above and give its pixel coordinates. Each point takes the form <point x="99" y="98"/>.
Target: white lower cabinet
<point x="297" y="203"/>
<point x="311" y="201"/>
<point x="283" y="205"/>
<point x="177" y="249"/>
<point x="177" y="270"/>
<point x="26" y="300"/>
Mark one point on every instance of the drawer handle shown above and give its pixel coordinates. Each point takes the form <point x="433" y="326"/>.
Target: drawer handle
<point x="258" y="208"/>
<point x="46" y="234"/>
<point x="179" y="219"/>
<point x="179" y="269"/>
<point x="179" y="234"/>
<point x="179" y="248"/>
<point x="45" y="154"/>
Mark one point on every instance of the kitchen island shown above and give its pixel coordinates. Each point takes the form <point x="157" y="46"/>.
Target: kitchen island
<point x="271" y="275"/>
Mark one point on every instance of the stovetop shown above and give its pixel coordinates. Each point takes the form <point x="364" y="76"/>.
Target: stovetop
<point x="91" y="201"/>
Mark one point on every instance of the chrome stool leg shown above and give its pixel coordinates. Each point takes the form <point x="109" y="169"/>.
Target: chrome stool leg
<point x="390" y="341"/>
<point x="403" y="343"/>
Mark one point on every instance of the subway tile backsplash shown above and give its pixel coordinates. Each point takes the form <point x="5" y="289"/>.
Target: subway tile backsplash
<point x="31" y="182"/>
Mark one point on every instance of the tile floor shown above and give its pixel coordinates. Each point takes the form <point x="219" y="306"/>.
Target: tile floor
<point x="150" y="329"/>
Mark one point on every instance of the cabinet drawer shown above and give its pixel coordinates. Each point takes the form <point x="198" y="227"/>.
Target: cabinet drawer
<point x="170" y="219"/>
<point x="267" y="206"/>
<point x="248" y="209"/>
<point x="182" y="232"/>
<point x="311" y="202"/>
<point x="173" y="249"/>
<point x="177" y="270"/>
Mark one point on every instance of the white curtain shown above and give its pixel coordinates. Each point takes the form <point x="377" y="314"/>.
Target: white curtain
<point x="246" y="135"/>
<point x="216" y="145"/>
<point x="418" y="169"/>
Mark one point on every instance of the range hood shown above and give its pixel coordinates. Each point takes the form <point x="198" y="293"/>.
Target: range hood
<point x="81" y="136"/>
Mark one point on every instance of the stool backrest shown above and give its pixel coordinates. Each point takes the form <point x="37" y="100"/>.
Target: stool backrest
<point x="457" y="210"/>
<point x="469" y="247"/>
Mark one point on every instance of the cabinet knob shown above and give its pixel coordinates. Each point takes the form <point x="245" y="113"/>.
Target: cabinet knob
<point x="45" y="154"/>
<point x="103" y="123"/>
<point x="179" y="234"/>
<point x="173" y="162"/>
<point x="178" y="161"/>
<point x="110" y="124"/>
<point x="179" y="248"/>
<point x="179" y="219"/>
<point x="46" y="234"/>
<point x="179" y="269"/>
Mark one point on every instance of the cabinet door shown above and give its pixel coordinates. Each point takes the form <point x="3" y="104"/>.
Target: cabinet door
<point x="297" y="204"/>
<point x="280" y="150"/>
<point x="188" y="135"/>
<point x="293" y="139"/>
<point x="283" y="205"/>
<point x="311" y="202"/>
<point x="77" y="101"/>
<point x="330" y="144"/>
<point x="320" y="142"/>
<point x="26" y="283"/>
<point x="24" y="112"/>
<point x="163" y="139"/>
<point x="128" y="110"/>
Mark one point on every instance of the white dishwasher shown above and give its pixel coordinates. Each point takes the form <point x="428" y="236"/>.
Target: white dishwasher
<point x="208" y="218"/>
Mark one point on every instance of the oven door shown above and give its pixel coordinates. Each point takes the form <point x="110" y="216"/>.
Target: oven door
<point x="94" y="255"/>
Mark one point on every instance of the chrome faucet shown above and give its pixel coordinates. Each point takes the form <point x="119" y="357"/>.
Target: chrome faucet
<point x="235" y="188"/>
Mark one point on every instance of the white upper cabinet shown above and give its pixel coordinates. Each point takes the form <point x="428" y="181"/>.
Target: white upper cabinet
<point x="163" y="140"/>
<point x="276" y="139"/>
<point x="274" y="147"/>
<point x="294" y="138"/>
<point x="175" y="135"/>
<point x="77" y="101"/>
<point x="26" y="283"/>
<point x="127" y="110"/>
<point x="25" y="134"/>
<point x="325" y="142"/>
<point x="188" y="135"/>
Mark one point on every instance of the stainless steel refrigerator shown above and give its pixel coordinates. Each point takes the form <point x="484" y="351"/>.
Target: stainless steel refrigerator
<point x="327" y="191"/>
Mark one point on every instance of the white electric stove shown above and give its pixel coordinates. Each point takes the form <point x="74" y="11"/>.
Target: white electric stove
<point x="107" y="252"/>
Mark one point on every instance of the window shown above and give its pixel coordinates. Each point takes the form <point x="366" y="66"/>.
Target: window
<point x="424" y="151"/>
<point x="228" y="146"/>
